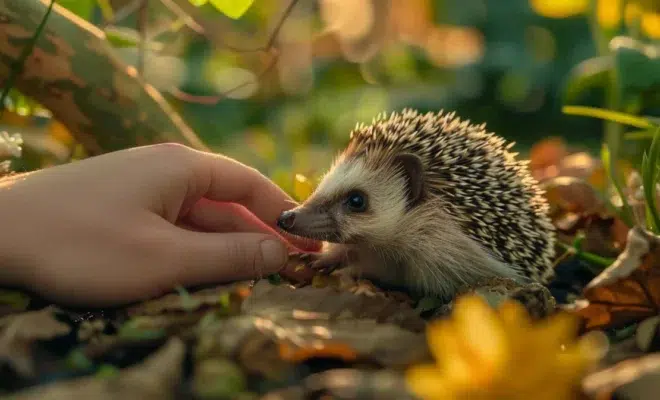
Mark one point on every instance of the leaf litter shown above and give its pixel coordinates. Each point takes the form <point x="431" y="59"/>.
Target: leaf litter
<point x="301" y="335"/>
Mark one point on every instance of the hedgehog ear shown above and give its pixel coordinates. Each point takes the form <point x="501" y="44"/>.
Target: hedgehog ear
<point x="414" y="173"/>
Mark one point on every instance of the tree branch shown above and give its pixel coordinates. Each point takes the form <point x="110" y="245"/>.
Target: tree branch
<point x="73" y="72"/>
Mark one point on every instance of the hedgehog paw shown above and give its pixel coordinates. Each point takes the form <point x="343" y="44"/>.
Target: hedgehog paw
<point x="324" y="263"/>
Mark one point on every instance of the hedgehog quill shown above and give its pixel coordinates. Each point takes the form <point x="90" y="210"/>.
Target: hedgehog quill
<point x="428" y="203"/>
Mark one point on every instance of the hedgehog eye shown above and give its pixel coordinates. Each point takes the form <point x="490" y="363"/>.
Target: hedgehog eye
<point x="356" y="201"/>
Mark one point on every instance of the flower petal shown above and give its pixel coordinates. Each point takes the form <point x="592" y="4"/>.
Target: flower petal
<point x="426" y="382"/>
<point x="482" y="335"/>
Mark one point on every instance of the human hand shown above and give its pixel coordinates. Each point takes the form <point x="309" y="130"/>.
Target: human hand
<point x="134" y="224"/>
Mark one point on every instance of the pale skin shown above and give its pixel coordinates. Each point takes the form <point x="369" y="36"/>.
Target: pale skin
<point x="134" y="224"/>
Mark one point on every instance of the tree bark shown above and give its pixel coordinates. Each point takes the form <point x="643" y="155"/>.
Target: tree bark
<point x="73" y="72"/>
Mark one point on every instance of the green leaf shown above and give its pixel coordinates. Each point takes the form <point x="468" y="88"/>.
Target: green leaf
<point x="106" y="371"/>
<point x="637" y="64"/>
<point x="188" y="303"/>
<point x="591" y="73"/>
<point x="614" y="116"/>
<point x="610" y="169"/>
<point x="77" y="360"/>
<point x="82" y="8"/>
<point x="135" y="329"/>
<point x="122" y="37"/>
<point x="232" y="8"/>
<point x="275" y="279"/>
<point x="640" y="134"/>
<point x="14" y="299"/>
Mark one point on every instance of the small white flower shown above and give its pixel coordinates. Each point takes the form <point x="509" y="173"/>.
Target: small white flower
<point x="5" y="167"/>
<point x="10" y="145"/>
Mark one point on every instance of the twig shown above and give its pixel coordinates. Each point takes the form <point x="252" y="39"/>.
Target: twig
<point x="187" y="19"/>
<point x="142" y="29"/>
<point x="17" y="68"/>
<point x="269" y="48"/>
<point x="124" y="12"/>
<point x="211" y="100"/>
<point x="273" y="36"/>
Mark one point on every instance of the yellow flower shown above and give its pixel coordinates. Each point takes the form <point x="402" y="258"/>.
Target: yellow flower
<point x="608" y="13"/>
<point x="651" y="25"/>
<point x="483" y="353"/>
<point x="302" y="187"/>
<point x="559" y="8"/>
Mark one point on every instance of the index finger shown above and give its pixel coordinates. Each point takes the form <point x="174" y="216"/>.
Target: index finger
<point x="231" y="181"/>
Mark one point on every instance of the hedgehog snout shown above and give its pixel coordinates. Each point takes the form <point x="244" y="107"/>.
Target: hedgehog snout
<point x="286" y="220"/>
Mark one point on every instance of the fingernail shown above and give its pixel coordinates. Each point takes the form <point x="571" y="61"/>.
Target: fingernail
<point x="274" y="254"/>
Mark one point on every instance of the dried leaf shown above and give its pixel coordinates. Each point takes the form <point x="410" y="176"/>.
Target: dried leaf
<point x="174" y="302"/>
<point x="298" y="353"/>
<point x="628" y="290"/>
<point x="18" y="332"/>
<point x="218" y="379"/>
<point x="155" y="378"/>
<point x="630" y="260"/>
<point x="546" y="153"/>
<point x="327" y="303"/>
<point x="359" y="384"/>
<point x="347" y="384"/>
<point x="602" y="383"/>
<point x="310" y="322"/>
<point x="647" y="333"/>
<point x="571" y="194"/>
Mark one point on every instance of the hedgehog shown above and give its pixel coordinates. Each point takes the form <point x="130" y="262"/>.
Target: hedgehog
<point x="428" y="203"/>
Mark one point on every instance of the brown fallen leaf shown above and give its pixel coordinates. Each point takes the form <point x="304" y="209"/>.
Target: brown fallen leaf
<point x="269" y="301"/>
<point x="222" y="295"/>
<point x="347" y="384"/>
<point x="631" y="379"/>
<point x="546" y="154"/>
<point x="155" y="378"/>
<point x="576" y="208"/>
<point x="647" y="336"/>
<point x="18" y="332"/>
<point x="218" y="379"/>
<point x="627" y="291"/>
<point x="347" y="338"/>
<point x="298" y="353"/>
<point x="281" y="326"/>
<point x="571" y="194"/>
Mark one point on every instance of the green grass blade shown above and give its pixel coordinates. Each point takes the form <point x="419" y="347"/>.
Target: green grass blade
<point x="610" y="169"/>
<point x="649" y="180"/>
<point x="650" y="220"/>
<point x="18" y="66"/>
<point x="642" y="134"/>
<point x="613" y="116"/>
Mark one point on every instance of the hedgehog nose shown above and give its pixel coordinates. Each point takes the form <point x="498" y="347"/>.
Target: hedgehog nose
<point x="286" y="220"/>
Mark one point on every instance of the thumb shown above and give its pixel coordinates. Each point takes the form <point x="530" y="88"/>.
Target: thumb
<point x="221" y="257"/>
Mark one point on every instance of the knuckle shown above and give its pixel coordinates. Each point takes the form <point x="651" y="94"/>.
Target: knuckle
<point x="238" y="255"/>
<point x="171" y="150"/>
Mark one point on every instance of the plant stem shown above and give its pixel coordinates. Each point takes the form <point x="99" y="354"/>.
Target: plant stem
<point x="589" y="257"/>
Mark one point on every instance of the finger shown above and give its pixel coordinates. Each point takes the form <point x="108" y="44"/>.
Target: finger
<point x="232" y="181"/>
<point x="222" y="257"/>
<point x="224" y="217"/>
<point x="218" y="217"/>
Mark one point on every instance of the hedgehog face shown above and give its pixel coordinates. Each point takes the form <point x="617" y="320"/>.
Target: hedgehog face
<point x="358" y="201"/>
